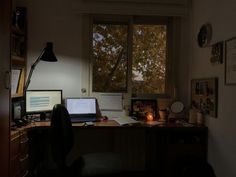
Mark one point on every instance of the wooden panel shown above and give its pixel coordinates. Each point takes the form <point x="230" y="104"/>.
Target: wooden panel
<point x="176" y="2"/>
<point x="5" y="6"/>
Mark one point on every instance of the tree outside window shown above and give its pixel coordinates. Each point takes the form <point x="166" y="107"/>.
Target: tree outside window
<point x="110" y="58"/>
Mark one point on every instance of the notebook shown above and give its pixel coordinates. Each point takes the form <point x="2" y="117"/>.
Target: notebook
<point x="82" y="109"/>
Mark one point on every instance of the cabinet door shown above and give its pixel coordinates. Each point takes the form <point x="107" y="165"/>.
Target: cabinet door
<point x="5" y="6"/>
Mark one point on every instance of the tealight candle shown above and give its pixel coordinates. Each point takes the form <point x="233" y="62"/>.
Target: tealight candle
<point x="149" y="116"/>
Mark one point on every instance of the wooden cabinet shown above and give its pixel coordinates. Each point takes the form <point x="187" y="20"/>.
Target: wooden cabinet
<point x="169" y="150"/>
<point x="18" y="51"/>
<point x="19" y="156"/>
<point x="5" y="8"/>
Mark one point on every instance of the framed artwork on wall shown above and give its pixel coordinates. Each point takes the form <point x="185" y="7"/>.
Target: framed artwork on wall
<point x="141" y="107"/>
<point x="15" y="78"/>
<point x="217" y="53"/>
<point x="230" y="61"/>
<point x="204" y="94"/>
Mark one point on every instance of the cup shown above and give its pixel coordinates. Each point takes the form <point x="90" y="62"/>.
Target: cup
<point x="163" y="115"/>
<point x="199" y="118"/>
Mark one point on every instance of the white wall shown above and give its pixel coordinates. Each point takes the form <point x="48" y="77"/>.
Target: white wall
<point x="222" y="131"/>
<point x="53" y="21"/>
<point x="62" y="23"/>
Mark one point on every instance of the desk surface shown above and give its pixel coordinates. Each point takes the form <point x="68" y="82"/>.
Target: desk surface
<point x="108" y="123"/>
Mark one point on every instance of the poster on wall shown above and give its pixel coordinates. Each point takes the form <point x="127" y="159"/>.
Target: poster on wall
<point x="15" y="77"/>
<point x="204" y="95"/>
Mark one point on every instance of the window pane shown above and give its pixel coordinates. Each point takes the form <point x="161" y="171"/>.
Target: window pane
<point x="110" y="57"/>
<point x="149" y="59"/>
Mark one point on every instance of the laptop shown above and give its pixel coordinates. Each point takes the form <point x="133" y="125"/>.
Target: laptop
<point x="82" y="109"/>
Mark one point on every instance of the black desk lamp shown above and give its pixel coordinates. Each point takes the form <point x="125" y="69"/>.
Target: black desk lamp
<point x="46" y="55"/>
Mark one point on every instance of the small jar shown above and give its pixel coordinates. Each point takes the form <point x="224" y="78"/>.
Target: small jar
<point x="192" y="116"/>
<point x="163" y="115"/>
<point x="200" y="118"/>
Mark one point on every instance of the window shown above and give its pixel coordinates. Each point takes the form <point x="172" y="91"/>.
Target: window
<point x="149" y="59"/>
<point x="110" y="57"/>
<point x="130" y="55"/>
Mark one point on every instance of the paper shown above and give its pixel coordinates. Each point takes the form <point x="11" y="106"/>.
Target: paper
<point x="125" y="120"/>
<point x="152" y="123"/>
<point x="110" y="101"/>
<point x="15" y="76"/>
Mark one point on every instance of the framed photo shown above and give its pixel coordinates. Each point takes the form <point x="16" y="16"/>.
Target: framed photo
<point x="204" y="95"/>
<point x="15" y="78"/>
<point x="217" y="53"/>
<point x="140" y="108"/>
<point x="230" y="61"/>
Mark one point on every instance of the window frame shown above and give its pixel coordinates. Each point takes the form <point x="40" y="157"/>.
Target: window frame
<point x="130" y="21"/>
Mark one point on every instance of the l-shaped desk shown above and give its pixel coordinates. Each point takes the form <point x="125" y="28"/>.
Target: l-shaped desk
<point x="144" y="148"/>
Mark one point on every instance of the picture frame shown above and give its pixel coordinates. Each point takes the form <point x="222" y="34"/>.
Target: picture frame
<point x="204" y="95"/>
<point x="217" y="53"/>
<point x="15" y="79"/>
<point x="140" y="108"/>
<point x="230" y="61"/>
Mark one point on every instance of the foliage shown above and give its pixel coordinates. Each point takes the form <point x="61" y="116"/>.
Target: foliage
<point x="149" y="59"/>
<point x="111" y="58"/>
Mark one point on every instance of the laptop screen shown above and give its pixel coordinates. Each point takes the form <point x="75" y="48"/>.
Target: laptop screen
<point x="81" y="106"/>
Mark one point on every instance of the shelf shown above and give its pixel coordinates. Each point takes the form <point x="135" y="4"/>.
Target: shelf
<point x="18" y="49"/>
<point x="17" y="60"/>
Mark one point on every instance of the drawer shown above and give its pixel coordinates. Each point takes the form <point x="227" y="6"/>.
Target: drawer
<point x="19" y="164"/>
<point x="24" y="143"/>
<point x="24" y="173"/>
<point x="15" y="147"/>
<point x="24" y="146"/>
<point x="15" y="167"/>
<point x="24" y="161"/>
<point x="24" y="164"/>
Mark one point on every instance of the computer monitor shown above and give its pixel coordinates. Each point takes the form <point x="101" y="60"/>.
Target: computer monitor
<point x="41" y="101"/>
<point x="80" y="106"/>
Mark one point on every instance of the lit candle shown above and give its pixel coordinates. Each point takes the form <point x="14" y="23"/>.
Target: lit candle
<point x="149" y="116"/>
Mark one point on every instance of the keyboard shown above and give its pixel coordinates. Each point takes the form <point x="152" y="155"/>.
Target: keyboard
<point x="83" y="119"/>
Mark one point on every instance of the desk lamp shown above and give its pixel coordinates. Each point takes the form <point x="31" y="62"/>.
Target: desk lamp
<point x="46" y="55"/>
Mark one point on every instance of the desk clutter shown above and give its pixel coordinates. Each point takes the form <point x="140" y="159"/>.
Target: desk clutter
<point x="37" y="106"/>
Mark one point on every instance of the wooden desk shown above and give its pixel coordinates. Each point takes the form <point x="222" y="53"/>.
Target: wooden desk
<point x="155" y="149"/>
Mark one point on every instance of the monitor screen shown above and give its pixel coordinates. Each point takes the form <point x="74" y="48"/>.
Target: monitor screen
<point x="81" y="105"/>
<point x="38" y="101"/>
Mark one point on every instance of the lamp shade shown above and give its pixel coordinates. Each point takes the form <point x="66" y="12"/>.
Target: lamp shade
<point x="48" y="54"/>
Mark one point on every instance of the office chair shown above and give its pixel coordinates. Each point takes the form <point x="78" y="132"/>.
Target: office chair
<point x="62" y="140"/>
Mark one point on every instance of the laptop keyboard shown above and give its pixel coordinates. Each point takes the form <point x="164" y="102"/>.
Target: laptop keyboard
<point x="83" y="119"/>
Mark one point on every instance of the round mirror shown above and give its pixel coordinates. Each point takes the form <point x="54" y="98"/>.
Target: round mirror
<point x="177" y="107"/>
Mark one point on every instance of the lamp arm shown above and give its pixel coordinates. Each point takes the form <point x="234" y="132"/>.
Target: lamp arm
<point x="31" y="72"/>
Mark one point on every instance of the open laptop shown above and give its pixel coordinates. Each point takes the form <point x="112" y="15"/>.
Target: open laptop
<point x="82" y="109"/>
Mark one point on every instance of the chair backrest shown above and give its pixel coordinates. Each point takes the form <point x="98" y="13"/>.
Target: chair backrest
<point x="62" y="137"/>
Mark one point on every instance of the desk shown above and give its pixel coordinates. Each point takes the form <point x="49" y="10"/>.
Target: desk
<point x="154" y="149"/>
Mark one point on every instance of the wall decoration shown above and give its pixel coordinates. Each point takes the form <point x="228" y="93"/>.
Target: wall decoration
<point x="140" y="108"/>
<point x="230" y="61"/>
<point x="204" y="35"/>
<point x="217" y="53"/>
<point x="204" y="94"/>
<point x="15" y="78"/>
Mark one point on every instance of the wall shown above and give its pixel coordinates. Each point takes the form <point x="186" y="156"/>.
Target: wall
<point x="63" y="25"/>
<point x="222" y="144"/>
